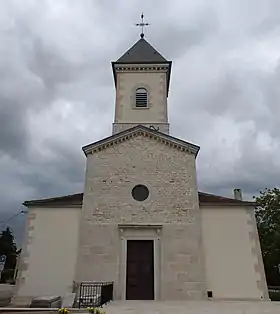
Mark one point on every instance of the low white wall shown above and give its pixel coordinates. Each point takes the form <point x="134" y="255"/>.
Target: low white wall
<point x="231" y="255"/>
<point x="50" y="252"/>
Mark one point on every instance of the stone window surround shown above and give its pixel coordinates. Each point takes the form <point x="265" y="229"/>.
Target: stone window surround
<point x="133" y="98"/>
<point x="140" y="232"/>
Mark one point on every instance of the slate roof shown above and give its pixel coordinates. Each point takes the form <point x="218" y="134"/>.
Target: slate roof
<point x="141" y="52"/>
<point x="206" y="198"/>
<point x="68" y="200"/>
<point x="77" y="199"/>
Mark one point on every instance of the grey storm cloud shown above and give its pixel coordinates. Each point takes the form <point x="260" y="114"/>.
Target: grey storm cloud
<point x="57" y="91"/>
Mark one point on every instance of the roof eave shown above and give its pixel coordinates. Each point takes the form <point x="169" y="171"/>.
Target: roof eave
<point x="114" y="73"/>
<point x="142" y="62"/>
<point x="67" y="202"/>
<point x="31" y="204"/>
<point x="79" y="205"/>
<point x="224" y="204"/>
<point x="168" y="77"/>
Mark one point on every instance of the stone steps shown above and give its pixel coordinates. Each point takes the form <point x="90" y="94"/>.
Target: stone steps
<point x="173" y="307"/>
<point x="21" y="302"/>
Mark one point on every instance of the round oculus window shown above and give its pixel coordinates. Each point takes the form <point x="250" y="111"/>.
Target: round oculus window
<point x="140" y="193"/>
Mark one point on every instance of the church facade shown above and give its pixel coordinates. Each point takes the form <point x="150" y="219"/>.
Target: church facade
<point x="141" y="221"/>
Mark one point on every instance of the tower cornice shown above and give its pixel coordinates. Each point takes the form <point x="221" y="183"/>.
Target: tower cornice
<point x="142" y="66"/>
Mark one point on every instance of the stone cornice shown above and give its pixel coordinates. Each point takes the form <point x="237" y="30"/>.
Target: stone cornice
<point x="141" y="66"/>
<point x="141" y="130"/>
<point x="152" y="68"/>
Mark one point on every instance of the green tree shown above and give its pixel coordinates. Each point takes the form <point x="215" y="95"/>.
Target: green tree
<point x="8" y="248"/>
<point x="268" y="222"/>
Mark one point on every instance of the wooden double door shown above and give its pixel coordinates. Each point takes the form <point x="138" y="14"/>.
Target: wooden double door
<point x="140" y="270"/>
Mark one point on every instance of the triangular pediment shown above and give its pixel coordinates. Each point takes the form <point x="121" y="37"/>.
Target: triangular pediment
<point x="141" y="130"/>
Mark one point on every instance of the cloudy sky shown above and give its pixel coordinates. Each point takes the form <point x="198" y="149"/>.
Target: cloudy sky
<point x="57" y="92"/>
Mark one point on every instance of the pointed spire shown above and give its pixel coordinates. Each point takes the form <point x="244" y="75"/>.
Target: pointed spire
<point x="141" y="52"/>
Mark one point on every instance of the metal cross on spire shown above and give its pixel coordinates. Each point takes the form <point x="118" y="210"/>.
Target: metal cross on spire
<point x="142" y="25"/>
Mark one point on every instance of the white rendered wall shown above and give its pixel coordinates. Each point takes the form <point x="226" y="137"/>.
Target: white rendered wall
<point x="49" y="258"/>
<point x="234" y="268"/>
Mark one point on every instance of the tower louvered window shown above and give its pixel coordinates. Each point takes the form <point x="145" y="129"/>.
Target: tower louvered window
<point x="141" y="98"/>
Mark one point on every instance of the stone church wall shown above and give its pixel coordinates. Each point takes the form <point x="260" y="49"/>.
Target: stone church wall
<point x="155" y="83"/>
<point x="162" y="127"/>
<point x="126" y="114"/>
<point x="170" y="176"/>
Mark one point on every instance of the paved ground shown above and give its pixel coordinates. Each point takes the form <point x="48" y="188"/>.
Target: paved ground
<point x="6" y="293"/>
<point x="192" y="307"/>
<point x="172" y="307"/>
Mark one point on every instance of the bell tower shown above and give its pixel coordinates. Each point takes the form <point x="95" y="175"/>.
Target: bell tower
<point x="142" y="77"/>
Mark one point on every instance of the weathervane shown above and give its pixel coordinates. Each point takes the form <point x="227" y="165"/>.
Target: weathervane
<point x="142" y="25"/>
